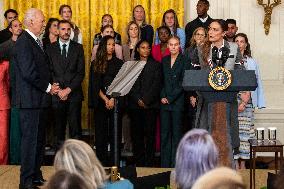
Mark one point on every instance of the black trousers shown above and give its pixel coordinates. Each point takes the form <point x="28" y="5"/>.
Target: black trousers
<point x="104" y="135"/>
<point x="32" y="123"/>
<point x="67" y="111"/>
<point x="143" y="126"/>
<point x="171" y="133"/>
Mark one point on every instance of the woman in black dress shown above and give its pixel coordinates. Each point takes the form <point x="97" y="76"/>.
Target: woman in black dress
<point x="103" y="70"/>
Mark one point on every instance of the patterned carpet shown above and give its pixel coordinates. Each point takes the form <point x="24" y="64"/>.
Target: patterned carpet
<point x="9" y="175"/>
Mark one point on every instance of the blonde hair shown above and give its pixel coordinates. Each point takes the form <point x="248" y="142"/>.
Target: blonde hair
<point x="192" y="40"/>
<point x="78" y="157"/>
<point x="220" y="178"/>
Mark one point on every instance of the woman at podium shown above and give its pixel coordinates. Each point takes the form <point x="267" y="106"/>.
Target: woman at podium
<point x="217" y="47"/>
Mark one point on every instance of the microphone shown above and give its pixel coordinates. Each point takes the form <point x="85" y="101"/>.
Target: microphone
<point x="225" y="55"/>
<point x="214" y="55"/>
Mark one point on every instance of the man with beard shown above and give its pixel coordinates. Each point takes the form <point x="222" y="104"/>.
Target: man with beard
<point x="68" y="65"/>
<point x="203" y="20"/>
<point x="232" y="30"/>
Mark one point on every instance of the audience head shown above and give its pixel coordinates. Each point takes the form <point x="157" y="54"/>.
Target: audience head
<point x="220" y="178"/>
<point x="232" y="29"/>
<point x="217" y="30"/>
<point x="107" y="30"/>
<point x="164" y="34"/>
<point x="34" y="21"/>
<point x="15" y="27"/>
<point x="142" y="50"/>
<point x="65" y="12"/>
<point x="107" y="20"/>
<point x="242" y="40"/>
<point x="202" y="7"/>
<point x="196" y="155"/>
<point x="138" y="14"/>
<point x="174" y="45"/>
<point x="198" y="37"/>
<point x="77" y="157"/>
<point x="51" y="27"/>
<point x="10" y="15"/>
<point x="133" y="31"/>
<point x="63" y="179"/>
<point x="64" y="29"/>
<point x="170" y="19"/>
<point x="106" y="49"/>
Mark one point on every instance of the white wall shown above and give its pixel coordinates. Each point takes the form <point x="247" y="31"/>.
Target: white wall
<point x="268" y="50"/>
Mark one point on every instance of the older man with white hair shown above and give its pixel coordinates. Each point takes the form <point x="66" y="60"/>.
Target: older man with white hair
<point x="33" y="89"/>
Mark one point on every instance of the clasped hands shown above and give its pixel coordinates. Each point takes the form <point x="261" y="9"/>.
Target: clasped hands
<point x="109" y="103"/>
<point x="62" y="93"/>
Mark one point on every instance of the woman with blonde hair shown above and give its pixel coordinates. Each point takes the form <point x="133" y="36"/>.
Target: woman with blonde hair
<point x="78" y="157"/>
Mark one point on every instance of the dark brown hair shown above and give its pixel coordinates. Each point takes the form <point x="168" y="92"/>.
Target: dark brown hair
<point x="100" y="63"/>
<point x="247" y="51"/>
<point x="176" y="25"/>
<point x="62" y="7"/>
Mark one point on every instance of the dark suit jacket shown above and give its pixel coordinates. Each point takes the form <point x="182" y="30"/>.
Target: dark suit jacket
<point x="32" y="73"/>
<point x="5" y="35"/>
<point x="191" y="26"/>
<point x="147" y="87"/>
<point x="69" y="72"/>
<point x="172" y="84"/>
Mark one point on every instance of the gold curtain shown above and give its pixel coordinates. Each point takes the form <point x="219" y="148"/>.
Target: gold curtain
<point x="87" y="15"/>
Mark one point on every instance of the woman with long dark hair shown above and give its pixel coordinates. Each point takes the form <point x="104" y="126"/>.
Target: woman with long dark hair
<point x="103" y="70"/>
<point x="247" y="102"/>
<point x="51" y="32"/>
<point x="144" y="105"/>
<point x="205" y="110"/>
<point x="170" y="20"/>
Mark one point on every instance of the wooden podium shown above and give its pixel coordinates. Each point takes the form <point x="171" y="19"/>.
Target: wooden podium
<point x="242" y="80"/>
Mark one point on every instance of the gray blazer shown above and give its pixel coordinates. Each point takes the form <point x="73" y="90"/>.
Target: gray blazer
<point x="234" y="60"/>
<point x="204" y="108"/>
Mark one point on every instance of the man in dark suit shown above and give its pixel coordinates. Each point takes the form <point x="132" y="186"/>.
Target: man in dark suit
<point x="6" y="34"/>
<point x="33" y="91"/>
<point x="68" y="69"/>
<point x="203" y="20"/>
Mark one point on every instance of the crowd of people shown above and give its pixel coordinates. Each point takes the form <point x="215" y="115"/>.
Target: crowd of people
<point x="42" y="68"/>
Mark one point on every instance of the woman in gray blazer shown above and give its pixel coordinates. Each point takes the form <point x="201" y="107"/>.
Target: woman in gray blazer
<point x="204" y="112"/>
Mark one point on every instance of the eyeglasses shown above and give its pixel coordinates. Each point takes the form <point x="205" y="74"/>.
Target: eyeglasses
<point x="199" y="34"/>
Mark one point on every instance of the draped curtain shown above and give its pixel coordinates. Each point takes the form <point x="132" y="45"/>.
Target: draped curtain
<point x="87" y="15"/>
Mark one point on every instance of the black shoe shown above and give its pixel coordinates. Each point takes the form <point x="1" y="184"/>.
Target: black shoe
<point x="39" y="182"/>
<point x="28" y="187"/>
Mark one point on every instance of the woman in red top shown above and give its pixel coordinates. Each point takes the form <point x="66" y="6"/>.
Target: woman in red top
<point x="161" y="50"/>
<point x="4" y="111"/>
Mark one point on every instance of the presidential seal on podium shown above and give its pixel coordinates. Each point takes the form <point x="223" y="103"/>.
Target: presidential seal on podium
<point x="220" y="78"/>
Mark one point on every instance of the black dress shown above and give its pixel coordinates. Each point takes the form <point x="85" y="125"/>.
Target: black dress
<point x="104" y="117"/>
